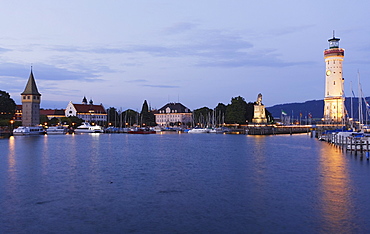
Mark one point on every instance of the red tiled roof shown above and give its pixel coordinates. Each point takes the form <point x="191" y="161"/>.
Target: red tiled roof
<point x="52" y="111"/>
<point x="83" y="108"/>
<point x="47" y="112"/>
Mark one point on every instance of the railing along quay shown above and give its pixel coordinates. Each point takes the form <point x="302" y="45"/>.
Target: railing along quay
<point x="356" y="144"/>
<point x="270" y="130"/>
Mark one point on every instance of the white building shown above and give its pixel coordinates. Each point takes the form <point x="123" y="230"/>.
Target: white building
<point x="173" y="113"/>
<point x="87" y="111"/>
<point x="334" y="86"/>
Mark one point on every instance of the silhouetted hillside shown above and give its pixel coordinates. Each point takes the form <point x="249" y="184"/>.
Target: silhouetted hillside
<point x="315" y="107"/>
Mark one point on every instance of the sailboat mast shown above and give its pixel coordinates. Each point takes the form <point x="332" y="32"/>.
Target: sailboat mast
<point x="353" y="94"/>
<point x="360" y="115"/>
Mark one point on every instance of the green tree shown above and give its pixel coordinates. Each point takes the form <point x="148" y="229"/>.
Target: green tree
<point x="76" y="120"/>
<point x="44" y="119"/>
<point x="236" y="112"/>
<point x="130" y="117"/>
<point x="250" y="111"/>
<point x="220" y="112"/>
<point x="269" y="117"/>
<point x="113" y="117"/>
<point x="147" y="117"/>
<point x="7" y="106"/>
<point x="202" y="116"/>
<point x="54" y="121"/>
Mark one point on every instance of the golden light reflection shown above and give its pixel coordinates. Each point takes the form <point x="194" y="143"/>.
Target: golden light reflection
<point x="11" y="155"/>
<point x="335" y="190"/>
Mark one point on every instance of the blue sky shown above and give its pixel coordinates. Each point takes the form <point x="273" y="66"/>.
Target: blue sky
<point x="201" y="53"/>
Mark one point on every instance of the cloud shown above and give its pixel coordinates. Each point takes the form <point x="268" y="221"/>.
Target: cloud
<point x="208" y="48"/>
<point x="2" y="50"/>
<point x="46" y="72"/>
<point x="162" y="86"/>
<point x="137" y="81"/>
<point x="290" y="30"/>
<point x="180" y="28"/>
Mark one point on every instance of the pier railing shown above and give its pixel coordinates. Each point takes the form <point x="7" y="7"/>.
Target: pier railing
<point x="356" y="142"/>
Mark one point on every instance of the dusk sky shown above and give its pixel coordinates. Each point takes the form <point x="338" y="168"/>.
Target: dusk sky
<point x="200" y="53"/>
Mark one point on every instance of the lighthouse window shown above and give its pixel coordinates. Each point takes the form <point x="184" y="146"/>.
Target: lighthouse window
<point x="334" y="82"/>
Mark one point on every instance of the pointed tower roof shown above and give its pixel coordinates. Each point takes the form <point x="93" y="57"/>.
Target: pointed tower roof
<point x="84" y="100"/>
<point x="31" y="88"/>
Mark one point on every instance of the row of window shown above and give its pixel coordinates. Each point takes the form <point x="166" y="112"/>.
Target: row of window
<point x="100" y="117"/>
<point x="340" y="62"/>
<point x="29" y="97"/>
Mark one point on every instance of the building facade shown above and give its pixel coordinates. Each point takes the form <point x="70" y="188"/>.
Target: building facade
<point x="173" y="113"/>
<point x="31" y="99"/>
<point x="334" y="110"/>
<point x="87" y="111"/>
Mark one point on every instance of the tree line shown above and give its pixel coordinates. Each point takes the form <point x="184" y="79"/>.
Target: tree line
<point x="237" y="112"/>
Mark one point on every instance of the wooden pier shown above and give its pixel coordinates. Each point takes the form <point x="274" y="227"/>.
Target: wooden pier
<point x="5" y="133"/>
<point x="355" y="143"/>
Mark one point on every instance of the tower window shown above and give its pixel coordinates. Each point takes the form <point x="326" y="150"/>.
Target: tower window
<point x="28" y="97"/>
<point x="334" y="82"/>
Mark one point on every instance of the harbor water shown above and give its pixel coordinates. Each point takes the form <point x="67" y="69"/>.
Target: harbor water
<point x="181" y="183"/>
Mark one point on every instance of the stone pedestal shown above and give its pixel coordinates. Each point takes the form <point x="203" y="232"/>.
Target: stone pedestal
<point x="259" y="114"/>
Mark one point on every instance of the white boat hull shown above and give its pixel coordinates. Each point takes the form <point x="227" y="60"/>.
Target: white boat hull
<point x="87" y="128"/>
<point x="21" y="131"/>
<point x="56" y="131"/>
<point x="199" y="130"/>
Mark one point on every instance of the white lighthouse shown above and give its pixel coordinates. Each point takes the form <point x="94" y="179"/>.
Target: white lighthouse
<point x="334" y="86"/>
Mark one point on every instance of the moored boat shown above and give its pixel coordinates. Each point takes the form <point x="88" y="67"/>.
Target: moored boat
<point x="56" y="130"/>
<point x="141" y="131"/>
<point x="199" y="130"/>
<point x="86" y="127"/>
<point x="22" y="130"/>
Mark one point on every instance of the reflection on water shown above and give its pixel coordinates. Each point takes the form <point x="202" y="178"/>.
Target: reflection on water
<point x="206" y="183"/>
<point x="11" y="155"/>
<point x="335" y="191"/>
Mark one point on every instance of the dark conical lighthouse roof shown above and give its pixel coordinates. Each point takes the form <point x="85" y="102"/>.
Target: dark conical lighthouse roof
<point x="31" y="88"/>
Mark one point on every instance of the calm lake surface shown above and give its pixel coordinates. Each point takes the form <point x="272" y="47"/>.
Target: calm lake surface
<point x="181" y="183"/>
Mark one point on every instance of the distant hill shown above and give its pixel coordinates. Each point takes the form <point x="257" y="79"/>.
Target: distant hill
<point x="315" y="107"/>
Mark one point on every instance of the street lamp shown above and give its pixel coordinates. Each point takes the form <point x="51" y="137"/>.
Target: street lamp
<point x="11" y="125"/>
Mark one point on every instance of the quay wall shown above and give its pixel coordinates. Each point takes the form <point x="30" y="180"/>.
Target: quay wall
<point x="271" y="130"/>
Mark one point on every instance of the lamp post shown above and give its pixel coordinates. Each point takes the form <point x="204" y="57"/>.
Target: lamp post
<point x="11" y="126"/>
